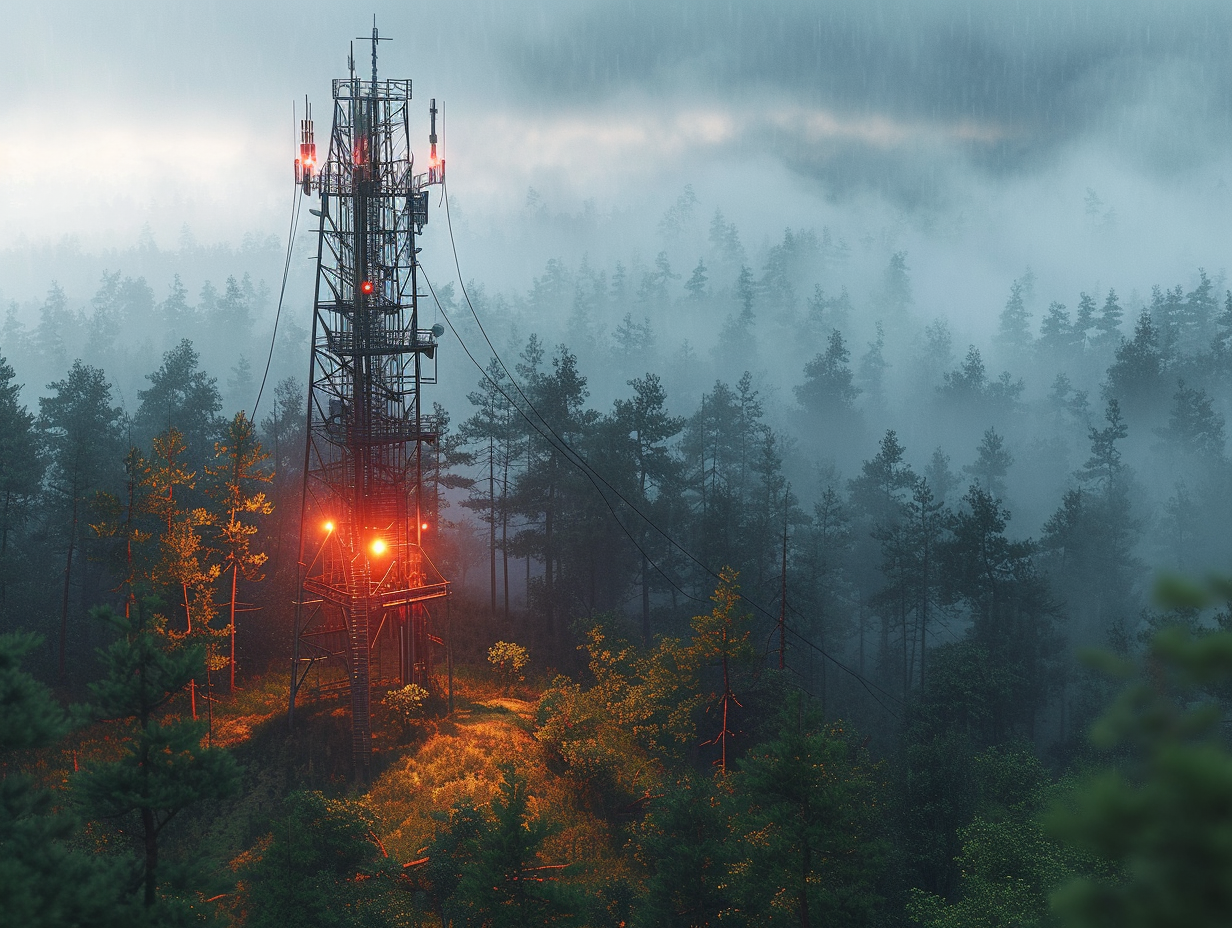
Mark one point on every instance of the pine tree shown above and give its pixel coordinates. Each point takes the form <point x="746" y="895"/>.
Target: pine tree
<point x="1014" y="333"/>
<point x="1057" y="337"/>
<point x="1194" y="427"/>
<point x="1104" y="467"/>
<point x="485" y="432"/>
<point x="163" y="768"/>
<point x="81" y="429"/>
<point x="45" y="880"/>
<point x="320" y="868"/>
<point x="721" y="639"/>
<point x="499" y="883"/>
<point x="234" y="477"/>
<point x="1108" y="326"/>
<point x="745" y="291"/>
<point x="542" y="491"/>
<point x="1084" y="321"/>
<point x="873" y="366"/>
<point x="684" y="843"/>
<point x="1198" y="314"/>
<point x="22" y="464"/>
<point x="644" y="422"/>
<point x="813" y="835"/>
<point x="828" y="391"/>
<point x="969" y="384"/>
<point x="725" y="242"/>
<point x="696" y="284"/>
<point x="184" y="397"/>
<point x="1136" y="378"/>
<point x="941" y="480"/>
<point x="823" y="559"/>
<point x="895" y="294"/>
<point x="1012" y="614"/>
<point x="55" y="319"/>
<point x="183" y="566"/>
<point x="178" y="317"/>
<point x="1155" y="816"/>
<point x="992" y="464"/>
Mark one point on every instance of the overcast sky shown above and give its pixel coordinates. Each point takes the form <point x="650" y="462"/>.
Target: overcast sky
<point x="979" y="126"/>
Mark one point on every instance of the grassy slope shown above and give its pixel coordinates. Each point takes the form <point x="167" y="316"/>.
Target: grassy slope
<point x="417" y="776"/>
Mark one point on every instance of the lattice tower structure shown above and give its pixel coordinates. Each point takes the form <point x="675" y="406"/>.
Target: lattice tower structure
<point x="367" y="581"/>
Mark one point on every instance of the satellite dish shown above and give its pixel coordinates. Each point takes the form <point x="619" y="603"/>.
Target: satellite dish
<point x="438" y="330"/>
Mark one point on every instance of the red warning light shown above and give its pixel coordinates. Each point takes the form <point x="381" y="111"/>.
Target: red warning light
<point x="366" y="287"/>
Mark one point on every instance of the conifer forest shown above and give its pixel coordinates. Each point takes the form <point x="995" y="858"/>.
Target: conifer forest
<point x="836" y="520"/>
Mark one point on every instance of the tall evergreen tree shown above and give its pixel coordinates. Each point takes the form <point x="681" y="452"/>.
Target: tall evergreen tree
<point x="495" y="886"/>
<point x="486" y="432"/>
<point x="1014" y="333"/>
<point x="183" y="396"/>
<point x="1084" y="319"/>
<point x="22" y="464"/>
<point x="82" y="432"/>
<point x="46" y="880"/>
<point x="162" y="768"/>
<point x="990" y="467"/>
<point x="695" y="286"/>
<point x="235" y="479"/>
<point x="1136" y="378"/>
<point x="814" y="840"/>
<point x="828" y="391"/>
<point x="1057" y="339"/>
<point x="873" y="366"/>
<point x="645" y="423"/>
<point x="1108" y="326"/>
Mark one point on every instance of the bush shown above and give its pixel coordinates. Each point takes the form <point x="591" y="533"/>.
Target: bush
<point x="508" y="660"/>
<point x="407" y="704"/>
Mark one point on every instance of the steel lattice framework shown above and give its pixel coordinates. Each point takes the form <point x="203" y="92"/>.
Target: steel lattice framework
<point x="365" y="577"/>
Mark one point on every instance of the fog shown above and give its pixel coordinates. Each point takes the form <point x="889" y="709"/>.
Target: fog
<point x="1075" y="147"/>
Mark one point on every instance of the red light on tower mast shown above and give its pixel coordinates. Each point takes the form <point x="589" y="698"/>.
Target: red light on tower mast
<point x="366" y="287"/>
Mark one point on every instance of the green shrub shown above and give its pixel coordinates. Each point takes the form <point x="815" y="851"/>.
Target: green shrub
<point x="508" y="660"/>
<point x="408" y="704"/>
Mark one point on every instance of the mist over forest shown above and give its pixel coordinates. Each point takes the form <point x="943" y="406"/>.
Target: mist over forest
<point x="832" y="473"/>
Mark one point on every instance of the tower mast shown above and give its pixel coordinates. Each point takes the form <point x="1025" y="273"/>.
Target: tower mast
<point x="366" y="580"/>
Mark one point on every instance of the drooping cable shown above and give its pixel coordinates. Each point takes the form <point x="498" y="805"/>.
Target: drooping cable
<point x="286" y="270"/>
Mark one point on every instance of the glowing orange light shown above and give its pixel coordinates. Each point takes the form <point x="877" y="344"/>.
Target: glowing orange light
<point x="328" y="526"/>
<point x="366" y="287"/>
<point x="378" y="547"/>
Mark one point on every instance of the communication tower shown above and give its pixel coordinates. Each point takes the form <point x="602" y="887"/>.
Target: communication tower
<point x="366" y="579"/>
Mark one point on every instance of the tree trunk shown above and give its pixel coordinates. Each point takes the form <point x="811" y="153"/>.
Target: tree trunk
<point x="151" y="855"/>
<point x="492" y="520"/>
<point x="235" y="569"/>
<point x="505" y="539"/>
<point x="645" y="601"/>
<point x="192" y="684"/>
<point x="806" y="864"/>
<point x="549" y="616"/>
<point x="68" y="571"/>
<point x="4" y="571"/>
